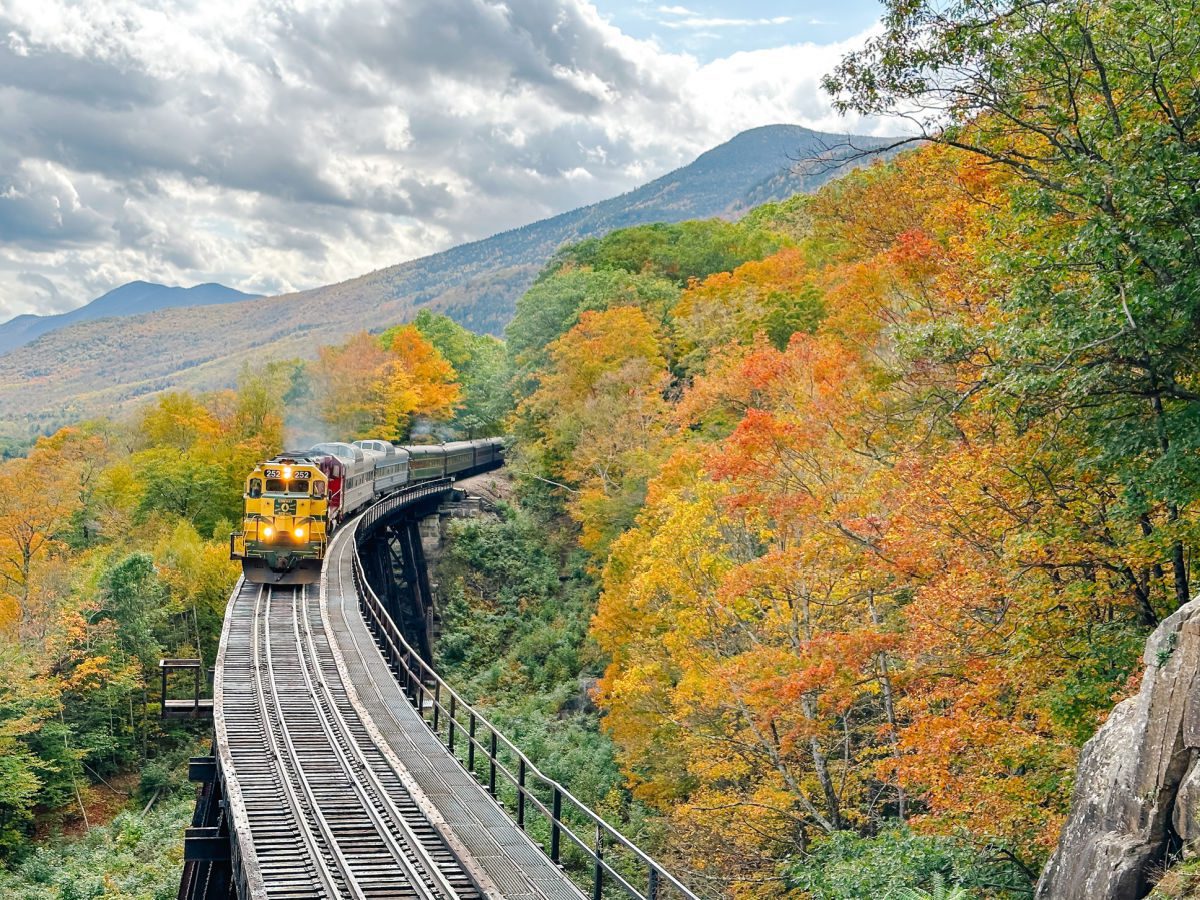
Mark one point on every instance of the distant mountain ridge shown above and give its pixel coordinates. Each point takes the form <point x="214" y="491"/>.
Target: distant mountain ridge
<point x="127" y="300"/>
<point x="95" y="366"/>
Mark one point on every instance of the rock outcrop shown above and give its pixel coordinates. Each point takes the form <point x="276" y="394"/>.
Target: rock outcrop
<point x="1137" y="790"/>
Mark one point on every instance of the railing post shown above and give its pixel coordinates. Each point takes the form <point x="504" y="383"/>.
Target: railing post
<point x="437" y="701"/>
<point x="450" y="738"/>
<point x="598" y="881"/>
<point x="652" y="885"/>
<point x="471" y="744"/>
<point x="492" y="763"/>
<point x="555" y="818"/>
<point x="521" y="793"/>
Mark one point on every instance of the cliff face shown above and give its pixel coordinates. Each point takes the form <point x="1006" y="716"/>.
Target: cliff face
<point x="1137" y="791"/>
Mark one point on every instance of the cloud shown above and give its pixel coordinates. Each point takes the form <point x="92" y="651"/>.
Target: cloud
<point x="281" y="144"/>
<point x="40" y="206"/>
<point x="694" y="21"/>
<point x="42" y="285"/>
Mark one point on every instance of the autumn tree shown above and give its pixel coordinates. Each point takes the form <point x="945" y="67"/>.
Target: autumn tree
<point x="39" y="497"/>
<point x="775" y="296"/>
<point x="371" y="387"/>
<point x="177" y="421"/>
<point x="433" y="390"/>
<point x="745" y="613"/>
<point x="481" y="364"/>
<point x="867" y="587"/>
<point x="1090" y="107"/>
<point x="557" y="301"/>
<point x="597" y="416"/>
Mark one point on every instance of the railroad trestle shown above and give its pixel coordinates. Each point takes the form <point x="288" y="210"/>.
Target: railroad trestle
<point x="344" y="766"/>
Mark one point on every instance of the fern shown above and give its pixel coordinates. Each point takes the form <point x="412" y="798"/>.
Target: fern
<point x="939" y="890"/>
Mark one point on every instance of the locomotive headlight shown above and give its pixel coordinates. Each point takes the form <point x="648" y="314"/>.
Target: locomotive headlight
<point x="299" y="533"/>
<point x="287" y="472"/>
<point x="268" y="531"/>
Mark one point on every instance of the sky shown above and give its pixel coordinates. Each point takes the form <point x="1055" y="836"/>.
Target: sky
<point x="276" y="145"/>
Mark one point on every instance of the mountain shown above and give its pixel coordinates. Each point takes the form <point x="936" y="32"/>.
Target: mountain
<point x="95" y="366"/>
<point x="127" y="300"/>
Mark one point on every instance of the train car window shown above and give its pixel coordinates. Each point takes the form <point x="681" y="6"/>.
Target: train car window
<point x="255" y="487"/>
<point x="319" y="489"/>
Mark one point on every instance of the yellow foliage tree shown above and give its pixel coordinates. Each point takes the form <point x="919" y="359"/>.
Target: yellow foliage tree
<point x="600" y="416"/>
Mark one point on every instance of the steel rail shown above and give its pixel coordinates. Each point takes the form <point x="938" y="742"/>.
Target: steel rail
<point x="244" y="863"/>
<point x="328" y="883"/>
<point x="346" y="747"/>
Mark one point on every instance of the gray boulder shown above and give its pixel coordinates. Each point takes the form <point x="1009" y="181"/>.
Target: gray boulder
<point x="1137" y="788"/>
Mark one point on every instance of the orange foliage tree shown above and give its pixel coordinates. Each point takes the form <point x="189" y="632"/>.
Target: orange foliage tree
<point x="868" y="586"/>
<point x="368" y="388"/>
<point x="597" y="417"/>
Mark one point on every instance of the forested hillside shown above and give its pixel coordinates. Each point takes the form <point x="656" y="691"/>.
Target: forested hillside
<point x="93" y="367"/>
<point x="882" y="516"/>
<point x="130" y="299"/>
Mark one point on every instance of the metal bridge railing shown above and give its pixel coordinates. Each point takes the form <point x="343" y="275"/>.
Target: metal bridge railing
<point x="403" y="497"/>
<point x="456" y="723"/>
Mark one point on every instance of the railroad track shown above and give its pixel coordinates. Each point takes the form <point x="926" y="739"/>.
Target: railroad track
<point x="329" y="815"/>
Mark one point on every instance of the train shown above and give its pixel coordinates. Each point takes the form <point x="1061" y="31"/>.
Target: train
<point x="294" y="502"/>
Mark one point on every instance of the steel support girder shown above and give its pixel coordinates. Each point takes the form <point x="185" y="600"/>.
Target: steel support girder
<point x="396" y="567"/>
<point x="208" y="843"/>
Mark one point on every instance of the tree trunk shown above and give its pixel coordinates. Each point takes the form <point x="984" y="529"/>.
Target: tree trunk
<point x="833" y="806"/>
<point x="889" y="706"/>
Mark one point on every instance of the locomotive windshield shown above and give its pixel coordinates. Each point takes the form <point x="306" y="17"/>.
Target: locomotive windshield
<point x="279" y="486"/>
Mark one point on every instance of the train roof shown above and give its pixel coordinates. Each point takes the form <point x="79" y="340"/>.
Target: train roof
<point x="340" y="450"/>
<point x="295" y="458"/>
<point x="452" y="446"/>
<point x="387" y="448"/>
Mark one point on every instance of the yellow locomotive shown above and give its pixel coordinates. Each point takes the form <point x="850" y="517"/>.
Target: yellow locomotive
<point x="285" y="526"/>
<point x="295" y="501"/>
